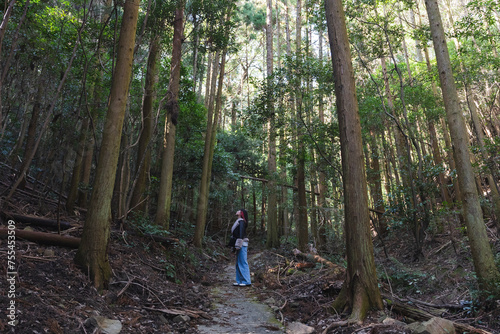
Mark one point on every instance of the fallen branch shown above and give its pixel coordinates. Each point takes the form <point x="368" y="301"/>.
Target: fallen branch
<point x="37" y="221"/>
<point x="441" y="248"/>
<point x="191" y="313"/>
<point x="335" y="325"/>
<point x="43" y="238"/>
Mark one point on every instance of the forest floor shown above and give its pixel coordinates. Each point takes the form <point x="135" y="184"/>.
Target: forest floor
<point x="172" y="287"/>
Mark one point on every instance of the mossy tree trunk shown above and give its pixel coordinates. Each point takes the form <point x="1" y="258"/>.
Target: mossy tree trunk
<point x="92" y="254"/>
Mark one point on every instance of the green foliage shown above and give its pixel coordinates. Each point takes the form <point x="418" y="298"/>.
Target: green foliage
<point x="146" y="225"/>
<point x="405" y="280"/>
<point x="249" y="14"/>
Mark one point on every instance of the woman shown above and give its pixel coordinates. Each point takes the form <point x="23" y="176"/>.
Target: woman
<point x="239" y="233"/>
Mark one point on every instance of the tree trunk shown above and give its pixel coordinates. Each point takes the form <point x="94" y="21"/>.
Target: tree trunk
<point x="438" y="161"/>
<point x="88" y="155"/>
<point x="31" y="137"/>
<point x="482" y="255"/>
<point x="205" y="179"/>
<point x="272" y="240"/>
<point x="360" y="290"/>
<point x="138" y="199"/>
<point x="92" y="253"/>
<point x="375" y="181"/>
<point x="302" y="224"/>
<point x="493" y="175"/>
<point x="77" y="167"/>
<point x="451" y="160"/>
<point x="323" y="216"/>
<point x="172" y="107"/>
<point x="215" y="126"/>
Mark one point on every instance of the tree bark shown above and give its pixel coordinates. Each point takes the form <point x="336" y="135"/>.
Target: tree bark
<point x="302" y="222"/>
<point x="138" y="199"/>
<point x="272" y="240"/>
<point x="205" y="179"/>
<point x="172" y="107"/>
<point x="92" y="253"/>
<point x="77" y="167"/>
<point x="360" y="290"/>
<point x="482" y="255"/>
<point x="31" y="137"/>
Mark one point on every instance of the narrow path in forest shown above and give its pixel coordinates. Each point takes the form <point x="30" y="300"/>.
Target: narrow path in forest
<point x="237" y="310"/>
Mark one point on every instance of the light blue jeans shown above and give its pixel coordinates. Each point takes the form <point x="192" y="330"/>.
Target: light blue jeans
<point x="242" y="269"/>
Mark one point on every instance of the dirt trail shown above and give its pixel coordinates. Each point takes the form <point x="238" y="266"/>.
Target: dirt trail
<point x="237" y="311"/>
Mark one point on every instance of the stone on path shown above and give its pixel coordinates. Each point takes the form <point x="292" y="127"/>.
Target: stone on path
<point x="299" y="328"/>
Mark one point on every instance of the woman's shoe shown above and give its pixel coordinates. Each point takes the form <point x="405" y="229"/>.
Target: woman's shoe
<point x="237" y="284"/>
<point x="243" y="284"/>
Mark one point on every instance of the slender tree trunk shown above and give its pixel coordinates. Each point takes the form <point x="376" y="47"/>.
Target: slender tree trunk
<point x="201" y="210"/>
<point x="88" y="156"/>
<point x="451" y="159"/>
<point x="31" y="137"/>
<point x="92" y="252"/>
<point x="172" y="107"/>
<point x="302" y="223"/>
<point x="487" y="274"/>
<point x="322" y="188"/>
<point x="77" y="167"/>
<point x="493" y="175"/>
<point x="360" y="290"/>
<point x="375" y="182"/>
<point x="210" y="140"/>
<point x="438" y="161"/>
<point x="272" y="240"/>
<point x="217" y="113"/>
<point x="138" y="199"/>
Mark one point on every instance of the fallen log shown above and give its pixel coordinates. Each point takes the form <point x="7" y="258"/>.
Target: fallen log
<point x="37" y="221"/>
<point x="43" y="238"/>
<point x="421" y="315"/>
<point x="318" y="259"/>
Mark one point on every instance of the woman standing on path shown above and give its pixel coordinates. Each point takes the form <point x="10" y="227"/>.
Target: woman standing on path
<point x="239" y="233"/>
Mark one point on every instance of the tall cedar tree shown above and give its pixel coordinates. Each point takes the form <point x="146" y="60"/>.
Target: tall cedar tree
<point x="482" y="255"/>
<point x="92" y="253"/>
<point x="172" y="106"/>
<point x="360" y="290"/>
<point x="272" y="212"/>
<point x="138" y="199"/>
